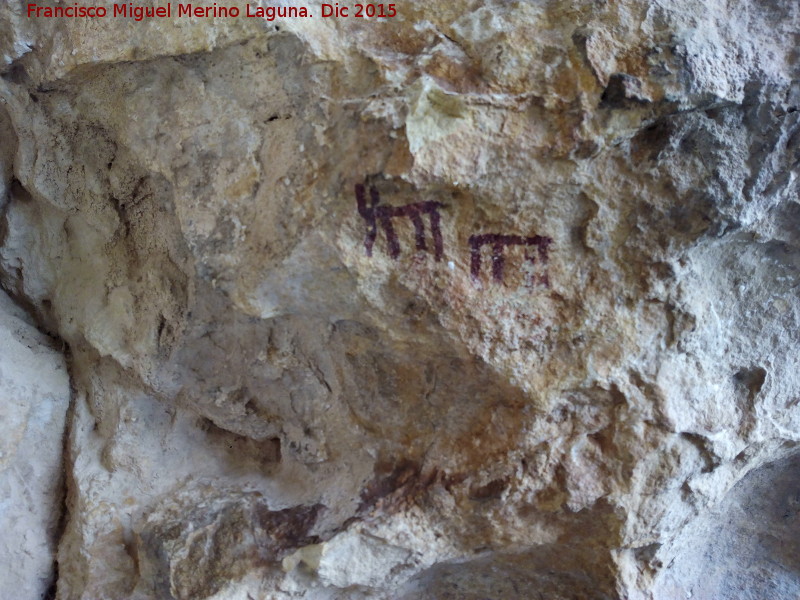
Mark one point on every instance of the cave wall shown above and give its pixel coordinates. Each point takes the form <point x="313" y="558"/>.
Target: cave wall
<point x="35" y="392"/>
<point x="493" y="298"/>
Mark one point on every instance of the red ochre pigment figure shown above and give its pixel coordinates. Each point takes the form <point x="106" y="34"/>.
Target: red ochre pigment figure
<point x="374" y="214"/>
<point x="368" y="214"/>
<point x="499" y="243"/>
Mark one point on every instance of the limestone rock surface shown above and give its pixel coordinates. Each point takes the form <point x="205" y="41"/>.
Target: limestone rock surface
<point x="34" y="397"/>
<point x="489" y="299"/>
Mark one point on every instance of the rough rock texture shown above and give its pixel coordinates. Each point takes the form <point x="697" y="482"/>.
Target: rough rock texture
<point x="34" y="397"/>
<point x="747" y="546"/>
<point x="487" y="300"/>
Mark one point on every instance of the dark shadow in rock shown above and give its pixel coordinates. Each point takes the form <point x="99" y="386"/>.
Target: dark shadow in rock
<point x="748" y="548"/>
<point x="548" y="572"/>
<point x="622" y="91"/>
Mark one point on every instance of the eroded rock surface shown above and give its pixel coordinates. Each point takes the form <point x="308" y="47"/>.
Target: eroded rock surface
<point x="488" y="298"/>
<point x="747" y="546"/>
<point x="34" y="397"/>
